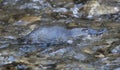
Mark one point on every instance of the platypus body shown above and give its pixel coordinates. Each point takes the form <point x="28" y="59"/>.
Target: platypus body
<point x="56" y="35"/>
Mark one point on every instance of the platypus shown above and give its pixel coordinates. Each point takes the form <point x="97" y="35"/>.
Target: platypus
<point x="56" y="35"/>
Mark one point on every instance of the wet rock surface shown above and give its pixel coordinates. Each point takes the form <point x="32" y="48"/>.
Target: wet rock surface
<point x="59" y="35"/>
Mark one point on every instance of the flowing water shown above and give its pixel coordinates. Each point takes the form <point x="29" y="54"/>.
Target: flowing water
<point x="59" y="35"/>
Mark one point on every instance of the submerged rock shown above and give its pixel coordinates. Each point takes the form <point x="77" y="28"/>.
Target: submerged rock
<point x="79" y="1"/>
<point x="27" y="20"/>
<point x="93" y="8"/>
<point x="116" y="50"/>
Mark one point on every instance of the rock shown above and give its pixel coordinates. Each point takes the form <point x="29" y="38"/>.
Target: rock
<point x="4" y="45"/>
<point x="61" y="3"/>
<point x="88" y="51"/>
<point x="59" y="52"/>
<point x="94" y="8"/>
<point x="100" y="56"/>
<point x="116" y="50"/>
<point x="79" y="1"/>
<point x="10" y="37"/>
<point x="4" y="16"/>
<point x="117" y="69"/>
<point x="48" y="64"/>
<point x="80" y="57"/>
<point x="107" y="63"/>
<point x="74" y="66"/>
<point x="12" y="2"/>
<point x="15" y="65"/>
<point x="27" y="20"/>
<point x="60" y="10"/>
<point x="70" y="41"/>
<point x="110" y="41"/>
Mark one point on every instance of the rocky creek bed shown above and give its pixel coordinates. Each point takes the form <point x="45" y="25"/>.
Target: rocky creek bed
<point x="59" y="35"/>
